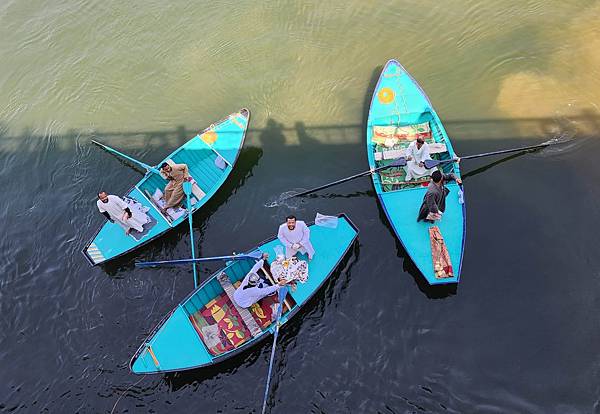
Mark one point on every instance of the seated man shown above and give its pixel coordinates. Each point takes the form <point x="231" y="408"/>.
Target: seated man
<point x="295" y="236"/>
<point x="176" y="174"/>
<point x="253" y="288"/>
<point x="416" y="154"/>
<point x="116" y="210"/>
<point x="434" y="202"/>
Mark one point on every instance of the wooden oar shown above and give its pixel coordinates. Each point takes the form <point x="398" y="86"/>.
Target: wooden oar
<point x="187" y="189"/>
<point x="281" y="296"/>
<point x="434" y="163"/>
<point x="127" y="157"/>
<point x="257" y="254"/>
<point x="400" y="162"/>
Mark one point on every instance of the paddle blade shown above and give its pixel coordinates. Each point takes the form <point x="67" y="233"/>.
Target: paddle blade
<point x="282" y="293"/>
<point x="256" y="254"/>
<point x="429" y="164"/>
<point x="187" y="187"/>
<point x="400" y="162"/>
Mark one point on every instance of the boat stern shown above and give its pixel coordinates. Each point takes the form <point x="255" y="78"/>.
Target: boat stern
<point x="173" y="346"/>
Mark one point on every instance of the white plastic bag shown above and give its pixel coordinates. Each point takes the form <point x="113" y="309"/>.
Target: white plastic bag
<point x="326" y="221"/>
<point x="278" y="252"/>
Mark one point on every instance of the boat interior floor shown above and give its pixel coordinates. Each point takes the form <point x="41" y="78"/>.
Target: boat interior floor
<point x="394" y="178"/>
<point x="139" y="235"/>
<point x="221" y="326"/>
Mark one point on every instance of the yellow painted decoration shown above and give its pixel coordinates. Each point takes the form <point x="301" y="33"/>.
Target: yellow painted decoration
<point x="217" y="313"/>
<point x="210" y="137"/>
<point x="258" y="311"/>
<point x="385" y="95"/>
<point x="154" y="359"/>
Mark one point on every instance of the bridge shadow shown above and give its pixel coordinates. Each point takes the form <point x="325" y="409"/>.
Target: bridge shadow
<point x="276" y="134"/>
<point x="317" y="152"/>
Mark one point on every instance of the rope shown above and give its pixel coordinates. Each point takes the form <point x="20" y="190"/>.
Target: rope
<point x="124" y="392"/>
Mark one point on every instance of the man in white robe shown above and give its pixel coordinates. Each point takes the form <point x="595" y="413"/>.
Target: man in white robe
<point x="253" y="288"/>
<point x="117" y="211"/>
<point x="295" y="236"/>
<point x="416" y="154"/>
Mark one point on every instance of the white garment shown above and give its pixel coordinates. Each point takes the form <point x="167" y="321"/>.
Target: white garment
<point x="297" y="240"/>
<point x="413" y="169"/>
<point x="245" y="298"/>
<point x="115" y="207"/>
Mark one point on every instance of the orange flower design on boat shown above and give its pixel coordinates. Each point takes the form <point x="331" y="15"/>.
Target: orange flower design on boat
<point x="210" y="137"/>
<point x="386" y="95"/>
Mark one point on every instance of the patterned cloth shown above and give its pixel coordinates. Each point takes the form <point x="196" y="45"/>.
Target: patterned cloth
<point x="230" y="331"/>
<point x="263" y="311"/>
<point x="439" y="253"/>
<point x="391" y="135"/>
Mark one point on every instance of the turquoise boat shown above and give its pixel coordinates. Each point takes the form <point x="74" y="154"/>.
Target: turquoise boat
<point x="207" y="328"/>
<point x="400" y="111"/>
<point x="210" y="157"/>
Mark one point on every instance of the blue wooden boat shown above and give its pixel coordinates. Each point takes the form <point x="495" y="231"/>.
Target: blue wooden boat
<point x="207" y="328"/>
<point x="210" y="157"/>
<point x="399" y="112"/>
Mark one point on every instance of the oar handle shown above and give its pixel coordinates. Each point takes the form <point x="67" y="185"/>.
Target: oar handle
<point x="281" y="296"/>
<point x="197" y="260"/>
<point x="530" y="147"/>
<point x="433" y="163"/>
<point x="114" y="151"/>
<point x="187" y="189"/>
<point x="396" y="163"/>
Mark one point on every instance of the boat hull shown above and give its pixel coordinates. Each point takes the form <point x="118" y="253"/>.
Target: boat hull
<point x="399" y="101"/>
<point x="223" y="140"/>
<point x="175" y="344"/>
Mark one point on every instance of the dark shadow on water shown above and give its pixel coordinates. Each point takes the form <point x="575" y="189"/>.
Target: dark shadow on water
<point x="287" y="336"/>
<point x="369" y="95"/>
<point x="432" y="292"/>
<point x="486" y="167"/>
<point x="271" y="136"/>
<point x="304" y="137"/>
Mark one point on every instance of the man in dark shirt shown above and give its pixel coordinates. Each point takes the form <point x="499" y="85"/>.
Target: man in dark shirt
<point x="434" y="202"/>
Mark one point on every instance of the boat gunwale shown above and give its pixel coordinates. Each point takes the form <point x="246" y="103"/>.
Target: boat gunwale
<point x="380" y="194"/>
<point x="147" y="174"/>
<point x="253" y="341"/>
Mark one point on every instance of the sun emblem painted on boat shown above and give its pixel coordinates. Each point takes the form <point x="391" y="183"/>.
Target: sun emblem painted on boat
<point x="385" y="95"/>
<point x="209" y="137"/>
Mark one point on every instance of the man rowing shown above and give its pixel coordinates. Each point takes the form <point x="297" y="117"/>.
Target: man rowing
<point x="416" y="154"/>
<point x="434" y="202"/>
<point x="117" y="211"/>
<point x="176" y="174"/>
<point x="253" y="287"/>
<point x="295" y="236"/>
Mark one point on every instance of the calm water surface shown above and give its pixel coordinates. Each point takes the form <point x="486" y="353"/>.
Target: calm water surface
<point x="520" y="333"/>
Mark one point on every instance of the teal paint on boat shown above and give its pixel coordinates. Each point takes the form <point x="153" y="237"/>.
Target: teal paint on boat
<point x="399" y="101"/>
<point x="223" y="139"/>
<point x="175" y="345"/>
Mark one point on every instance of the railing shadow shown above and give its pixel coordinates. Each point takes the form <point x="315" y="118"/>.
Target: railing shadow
<point x="276" y="134"/>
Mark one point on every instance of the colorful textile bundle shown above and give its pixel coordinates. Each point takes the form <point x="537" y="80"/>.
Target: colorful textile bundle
<point x="390" y="135"/>
<point x="441" y="259"/>
<point x="220" y="325"/>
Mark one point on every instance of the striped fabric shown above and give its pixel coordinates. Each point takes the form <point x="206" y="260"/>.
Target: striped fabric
<point x="95" y="254"/>
<point x="244" y="313"/>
